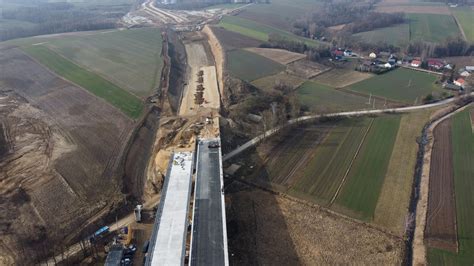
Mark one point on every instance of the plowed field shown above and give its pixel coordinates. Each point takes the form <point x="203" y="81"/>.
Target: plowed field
<point x="441" y="218"/>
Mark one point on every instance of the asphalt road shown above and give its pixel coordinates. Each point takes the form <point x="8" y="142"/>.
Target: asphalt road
<point x="208" y="241"/>
<point x="272" y="131"/>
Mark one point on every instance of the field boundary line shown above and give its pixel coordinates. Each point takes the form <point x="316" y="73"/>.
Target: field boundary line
<point x="459" y="26"/>
<point x="352" y="162"/>
<point x="334" y="155"/>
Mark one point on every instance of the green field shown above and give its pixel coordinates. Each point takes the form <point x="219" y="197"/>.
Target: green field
<point x="249" y="66"/>
<point x="432" y="27"/>
<point x="260" y="31"/>
<point x="466" y="19"/>
<point x="396" y="35"/>
<point x="123" y="100"/>
<point x="403" y="85"/>
<point x="128" y="58"/>
<point x="324" y="99"/>
<point x="324" y="173"/>
<point x="362" y="187"/>
<point x="463" y="164"/>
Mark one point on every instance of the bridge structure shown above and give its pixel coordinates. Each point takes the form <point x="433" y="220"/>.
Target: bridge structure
<point x="208" y="236"/>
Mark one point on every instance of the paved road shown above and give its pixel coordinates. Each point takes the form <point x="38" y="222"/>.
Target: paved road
<point x="209" y="239"/>
<point x="272" y="131"/>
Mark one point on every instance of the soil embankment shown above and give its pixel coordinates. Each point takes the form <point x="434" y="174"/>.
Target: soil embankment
<point x="139" y="153"/>
<point x="177" y="55"/>
<point x="219" y="57"/>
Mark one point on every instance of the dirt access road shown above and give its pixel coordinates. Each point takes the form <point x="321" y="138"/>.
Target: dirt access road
<point x="199" y="60"/>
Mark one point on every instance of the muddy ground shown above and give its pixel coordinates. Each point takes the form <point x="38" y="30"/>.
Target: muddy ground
<point x="440" y="229"/>
<point x="266" y="229"/>
<point x="62" y="169"/>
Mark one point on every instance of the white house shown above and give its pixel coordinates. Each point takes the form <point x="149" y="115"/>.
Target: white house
<point x="373" y="55"/>
<point x="465" y="74"/>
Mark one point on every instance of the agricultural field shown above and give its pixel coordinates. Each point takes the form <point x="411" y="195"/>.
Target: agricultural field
<point x="462" y="139"/>
<point x="324" y="173"/>
<point x="320" y="98"/>
<point x="281" y="56"/>
<point x="430" y="8"/>
<point x="392" y="205"/>
<point x="130" y="59"/>
<point x="440" y="229"/>
<point x="432" y="28"/>
<point x="466" y="19"/>
<point x="231" y="40"/>
<point x="68" y="149"/>
<point x="268" y="83"/>
<point x="341" y="161"/>
<point x="250" y="66"/>
<point x="397" y="35"/>
<point x="118" y="97"/>
<point x="341" y="77"/>
<point x="280" y="13"/>
<point x="361" y="189"/>
<point x="268" y="229"/>
<point x="403" y="85"/>
<point x="259" y="31"/>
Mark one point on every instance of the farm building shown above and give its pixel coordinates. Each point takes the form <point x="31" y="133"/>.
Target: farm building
<point x="465" y="74"/>
<point x="459" y="82"/>
<point x="373" y="55"/>
<point x="416" y="63"/>
<point x="469" y="68"/>
<point x="451" y="86"/>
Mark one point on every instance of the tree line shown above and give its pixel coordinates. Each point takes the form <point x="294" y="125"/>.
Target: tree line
<point x="48" y="18"/>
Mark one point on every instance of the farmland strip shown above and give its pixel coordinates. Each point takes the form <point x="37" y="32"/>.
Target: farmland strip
<point x="352" y="162"/>
<point x="123" y="100"/>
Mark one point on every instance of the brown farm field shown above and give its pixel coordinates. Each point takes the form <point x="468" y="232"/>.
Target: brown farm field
<point x="440" y="229"/>
<point x="267" y="229"/>
<point x="232" y="40"/>
<point x="65" y="150"/>
<point x="341" y="77"/>
<point x="269" y="82"/>
<point x="283" y="57"/>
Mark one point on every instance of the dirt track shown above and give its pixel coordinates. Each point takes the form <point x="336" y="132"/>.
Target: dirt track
<point x="440" y="229"/>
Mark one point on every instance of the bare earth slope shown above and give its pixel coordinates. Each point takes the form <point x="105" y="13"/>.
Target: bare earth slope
<point x="65" y="147"/>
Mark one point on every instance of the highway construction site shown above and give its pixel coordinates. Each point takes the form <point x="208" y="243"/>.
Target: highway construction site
<point x="169" y="162"/>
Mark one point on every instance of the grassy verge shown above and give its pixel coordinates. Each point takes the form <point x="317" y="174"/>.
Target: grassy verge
<point x="123" y="100"/>
<point x="364" y="181"/>
<point x="392" y="205"/>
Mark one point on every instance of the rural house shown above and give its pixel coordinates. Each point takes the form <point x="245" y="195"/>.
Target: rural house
<point x="373" y="55"/>
<point x="465" y="74"/>
<point x="435" y="63"/>
<point x="459" y="82"/>
<point x="415" y="63"/>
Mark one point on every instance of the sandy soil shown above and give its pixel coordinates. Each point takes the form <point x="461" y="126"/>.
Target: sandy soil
<point x="265" y="229"/>
<point x="198" y="60"/>
<point x="281" y="56"/>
